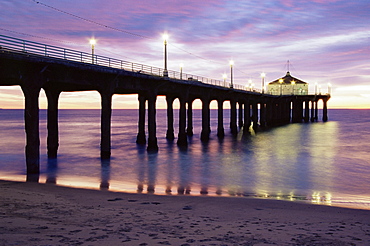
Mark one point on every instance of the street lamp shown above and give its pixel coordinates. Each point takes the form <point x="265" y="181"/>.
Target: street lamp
<point x="165" y="71"/>
<point x="250" y="84"/>
<point x="329" y="88"/>
<point x="181" y="66"/>
<point x="92" y="42"/>
<point x="263" y="75"/>
<point x="281" y="86"/>
<point x="293" y="83"/>
<point x="315" y="88"/>
<point x="224" y="76"/>
<point x="231" y="73"/>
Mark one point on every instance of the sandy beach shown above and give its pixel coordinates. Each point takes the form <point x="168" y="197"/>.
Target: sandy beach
<point x="46" y="214"/>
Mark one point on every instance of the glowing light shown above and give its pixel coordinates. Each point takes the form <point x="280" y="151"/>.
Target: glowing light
<point x="224" y="77"/>
<point x="263" y="75"/>
<point x="92" y="41"/>
<point x="165" y="37"/>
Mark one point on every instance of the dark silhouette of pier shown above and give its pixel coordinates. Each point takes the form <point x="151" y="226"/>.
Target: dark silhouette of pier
<point x="34" y="66"/>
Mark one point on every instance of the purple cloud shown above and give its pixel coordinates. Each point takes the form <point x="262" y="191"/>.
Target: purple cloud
<point x="325" y="40"/>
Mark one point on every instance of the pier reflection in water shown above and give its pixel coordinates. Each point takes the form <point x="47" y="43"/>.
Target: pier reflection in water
<point x="293" y="162"/>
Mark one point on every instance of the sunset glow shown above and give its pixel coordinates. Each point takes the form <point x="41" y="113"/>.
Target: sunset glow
<point x="326" y="42"/>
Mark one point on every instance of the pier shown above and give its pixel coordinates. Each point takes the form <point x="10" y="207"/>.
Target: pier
<point x="35" y="67"/>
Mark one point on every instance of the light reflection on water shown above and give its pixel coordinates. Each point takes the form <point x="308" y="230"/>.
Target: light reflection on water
<point x="317" y="162"/>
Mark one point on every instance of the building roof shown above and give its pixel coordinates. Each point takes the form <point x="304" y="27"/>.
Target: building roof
<point x="287" y="79"/>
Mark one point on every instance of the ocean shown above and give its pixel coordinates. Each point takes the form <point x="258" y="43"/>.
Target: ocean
<point x="320" y="163"/>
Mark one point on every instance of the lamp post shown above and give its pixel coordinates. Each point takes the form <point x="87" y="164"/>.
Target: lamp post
<point x="181" y="66"/>
<point x="263" y="75"/>
<point x="92" y="42"/>
<point x="315" y="88"/>
<point x="231" y="73"/>
<point x="224" y="76"/>
<point x="250" y="84"/>
<point x="329" y="88"/>
<point x="165" y="71"/>
<point x="281" y="86"/>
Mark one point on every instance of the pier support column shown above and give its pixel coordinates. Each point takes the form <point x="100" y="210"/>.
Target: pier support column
<point x="52" y="123"/>
<point x="312" y="111"/>
<point x="182" y="137"/>
<point x="297" y="112"/>
<point x="306" y="111"/>
<point x="262" y="114"/>
<point x="141" y="139"/>
<point x="287" y="112"/>
<point x="325" y="111"/>
<point x="255" y="115"/>
<point x="106" y="114"/>
<point x="170" y="130"/>
<point x="240" y="118"/>
<point x="31" y="120"/>
<point x="247" y="117"/>
<point x="233" y="126"/>
<point x="271" y="116"/>
<point x="316" y="110"/>
<point x="152" y="138"/>
<point x="189" y="130"/>
<point x="220" y="122"/>
<point x="206" y="129"/>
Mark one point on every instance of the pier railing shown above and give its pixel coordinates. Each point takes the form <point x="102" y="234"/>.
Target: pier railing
<point x="30" y="47"/>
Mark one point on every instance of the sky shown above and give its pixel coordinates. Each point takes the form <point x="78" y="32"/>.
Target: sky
<point x="325" y="41"/>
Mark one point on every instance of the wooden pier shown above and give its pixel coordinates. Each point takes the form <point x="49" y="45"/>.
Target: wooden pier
<point x="35" y="67"/>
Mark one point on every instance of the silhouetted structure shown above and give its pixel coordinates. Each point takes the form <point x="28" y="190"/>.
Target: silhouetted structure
<point x="35" y="66"/>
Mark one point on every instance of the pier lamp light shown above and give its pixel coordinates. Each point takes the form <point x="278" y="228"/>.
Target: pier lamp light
<point x="181" y="66"/>
<point x="329" y="88"/>
<point x="92" y="42"/>
<point x="281" y="86"/>
<point x="293" y="83"/>
<point x="250" y="84"/>
<point x="263" y="75"/>
<point x="224" y="76"/>
<point x="231" y="73"/>
<point x="165" y="38"/>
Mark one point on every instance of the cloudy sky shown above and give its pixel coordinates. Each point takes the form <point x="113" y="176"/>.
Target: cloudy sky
<point x="325" y="41"/>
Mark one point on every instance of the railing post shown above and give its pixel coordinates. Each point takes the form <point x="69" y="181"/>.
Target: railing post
<point x="24" y="46"/>
<point x="45" y="51"/>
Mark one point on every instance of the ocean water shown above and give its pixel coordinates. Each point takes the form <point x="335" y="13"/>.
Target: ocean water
<point x="322" y="163"/>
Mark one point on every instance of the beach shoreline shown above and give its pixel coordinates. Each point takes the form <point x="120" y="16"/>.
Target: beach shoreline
<point x="47" y="214"/>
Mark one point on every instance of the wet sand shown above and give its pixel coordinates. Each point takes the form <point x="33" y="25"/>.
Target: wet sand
<point x="45" y="214"/>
